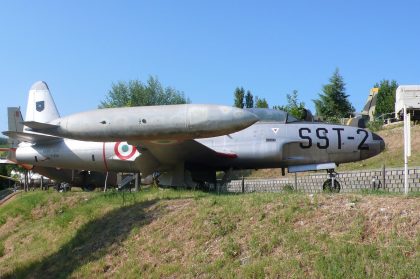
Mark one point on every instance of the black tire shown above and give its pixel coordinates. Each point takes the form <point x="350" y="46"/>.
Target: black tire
<point x="88" y="188"/>
<point x="203" y="186"/>
<point x="327" y="186"/>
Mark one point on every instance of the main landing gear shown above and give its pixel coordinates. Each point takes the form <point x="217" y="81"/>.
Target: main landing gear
<point x="331" y="185"/>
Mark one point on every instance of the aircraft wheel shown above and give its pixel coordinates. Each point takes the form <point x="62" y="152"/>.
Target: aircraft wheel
<point x="327" y="186"/>
<point x="203" y="186"/>
<point x="89" y="187"/>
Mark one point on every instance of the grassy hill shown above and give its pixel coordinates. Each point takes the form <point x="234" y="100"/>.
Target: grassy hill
<point x="167" y="233"/>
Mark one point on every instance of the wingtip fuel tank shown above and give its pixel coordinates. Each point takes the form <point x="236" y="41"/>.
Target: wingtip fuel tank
<point x="185" y="121"/>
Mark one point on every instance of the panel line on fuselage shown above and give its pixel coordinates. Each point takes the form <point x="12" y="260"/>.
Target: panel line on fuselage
<point x="104" y="156"/>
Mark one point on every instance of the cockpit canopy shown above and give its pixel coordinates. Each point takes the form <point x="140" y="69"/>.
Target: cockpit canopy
<point x="272" y="115"/>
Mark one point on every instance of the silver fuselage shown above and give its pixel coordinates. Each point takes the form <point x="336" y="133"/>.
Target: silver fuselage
<point x="262" y="145"/>
<point x="274" y="145"/>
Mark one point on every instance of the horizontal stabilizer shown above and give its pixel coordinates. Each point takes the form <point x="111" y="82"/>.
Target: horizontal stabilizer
<point x="10" y="178"/>
<point x="39" y="126"/>
<point x="312" y="167"/>
<point x="6" y="161"/>
<point x="29" y="137"/>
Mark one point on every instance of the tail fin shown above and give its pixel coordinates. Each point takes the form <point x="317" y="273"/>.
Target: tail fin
<point x="41" y="106"/>
<point x="15" y="123"/>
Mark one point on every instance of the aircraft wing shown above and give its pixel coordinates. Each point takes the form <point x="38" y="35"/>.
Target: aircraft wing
<point x="30" y="137"/>
<point x="9" y="178"/>
<point x="39" y="126"/>
<point x="171" y="152"/>
<point x="6" y="161"/>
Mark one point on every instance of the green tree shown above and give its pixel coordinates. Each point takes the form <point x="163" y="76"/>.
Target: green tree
<point x="260" y="103"/>
<point x="3" y="182"/>
<point x="3" y="167"/>
<point x="135" y="93"/>
<point x="249" y="100"/>
<point x="333" y="103"/>
<point x="239" y="97"/>
<point x="294" y="107"/>
<point x="385" y="102"/>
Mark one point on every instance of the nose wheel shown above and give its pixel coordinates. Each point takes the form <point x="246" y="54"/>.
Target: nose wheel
<point x="155" y="177"/>
<point x="331" y="185"/>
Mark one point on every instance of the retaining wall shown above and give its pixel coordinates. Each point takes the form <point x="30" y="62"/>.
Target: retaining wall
<point x="351" y="181"/>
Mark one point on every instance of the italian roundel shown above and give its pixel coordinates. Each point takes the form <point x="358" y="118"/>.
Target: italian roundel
<point x="124" y="151"/>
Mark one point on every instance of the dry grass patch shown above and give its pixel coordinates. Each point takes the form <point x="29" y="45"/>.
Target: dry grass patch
<point x="335" y="215"/>
<point x="190" y="234"/>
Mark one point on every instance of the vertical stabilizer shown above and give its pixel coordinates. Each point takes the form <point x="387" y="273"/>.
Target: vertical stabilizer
<point x="15" y="120"/>
<point x="41" y="106"/>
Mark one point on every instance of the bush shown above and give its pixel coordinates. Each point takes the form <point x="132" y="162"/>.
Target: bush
<point x="375" y="125"/>
<point x="1" y="249"/>
<point x="288" y="188"/>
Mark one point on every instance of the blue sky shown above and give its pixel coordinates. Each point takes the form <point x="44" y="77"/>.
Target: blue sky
<point x="204" y="48"/>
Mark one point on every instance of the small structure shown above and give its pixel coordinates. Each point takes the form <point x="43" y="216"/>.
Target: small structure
<point x="407" y="106"/>
<point x="370" y="106"/>
<point x="408" y="96"/>
<point x="368" y="113"/>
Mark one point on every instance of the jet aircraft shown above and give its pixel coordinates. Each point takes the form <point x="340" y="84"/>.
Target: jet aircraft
<point x="187" y="146"/>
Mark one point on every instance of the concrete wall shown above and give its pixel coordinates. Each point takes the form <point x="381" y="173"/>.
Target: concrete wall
<point x="352" y="181"/>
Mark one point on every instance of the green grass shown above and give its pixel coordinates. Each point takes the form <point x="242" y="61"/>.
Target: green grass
<point x="168" y="233"/>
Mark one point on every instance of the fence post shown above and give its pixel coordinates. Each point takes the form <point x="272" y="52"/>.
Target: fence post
<point x="383" y="176"/>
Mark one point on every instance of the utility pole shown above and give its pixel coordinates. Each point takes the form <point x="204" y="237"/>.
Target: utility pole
<point x="407" y="146"/>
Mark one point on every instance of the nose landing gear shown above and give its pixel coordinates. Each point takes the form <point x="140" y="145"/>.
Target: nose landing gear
<point x="331" y="185"/>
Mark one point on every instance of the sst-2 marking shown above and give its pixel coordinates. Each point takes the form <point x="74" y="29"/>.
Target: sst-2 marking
<point x="324" y="141"/>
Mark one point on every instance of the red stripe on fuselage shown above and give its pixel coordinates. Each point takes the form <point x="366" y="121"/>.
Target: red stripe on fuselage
<point x="226" y="155"/>
<point x="8" y="149"/>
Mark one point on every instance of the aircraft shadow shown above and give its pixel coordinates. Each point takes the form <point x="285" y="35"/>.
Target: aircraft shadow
<point x="93" y="241"/>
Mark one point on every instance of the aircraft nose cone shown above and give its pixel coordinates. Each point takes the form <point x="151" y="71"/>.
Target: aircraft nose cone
<point x="382" y="144"/>
<point x="375" y="146"/>
<point x="379" y="140"/>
